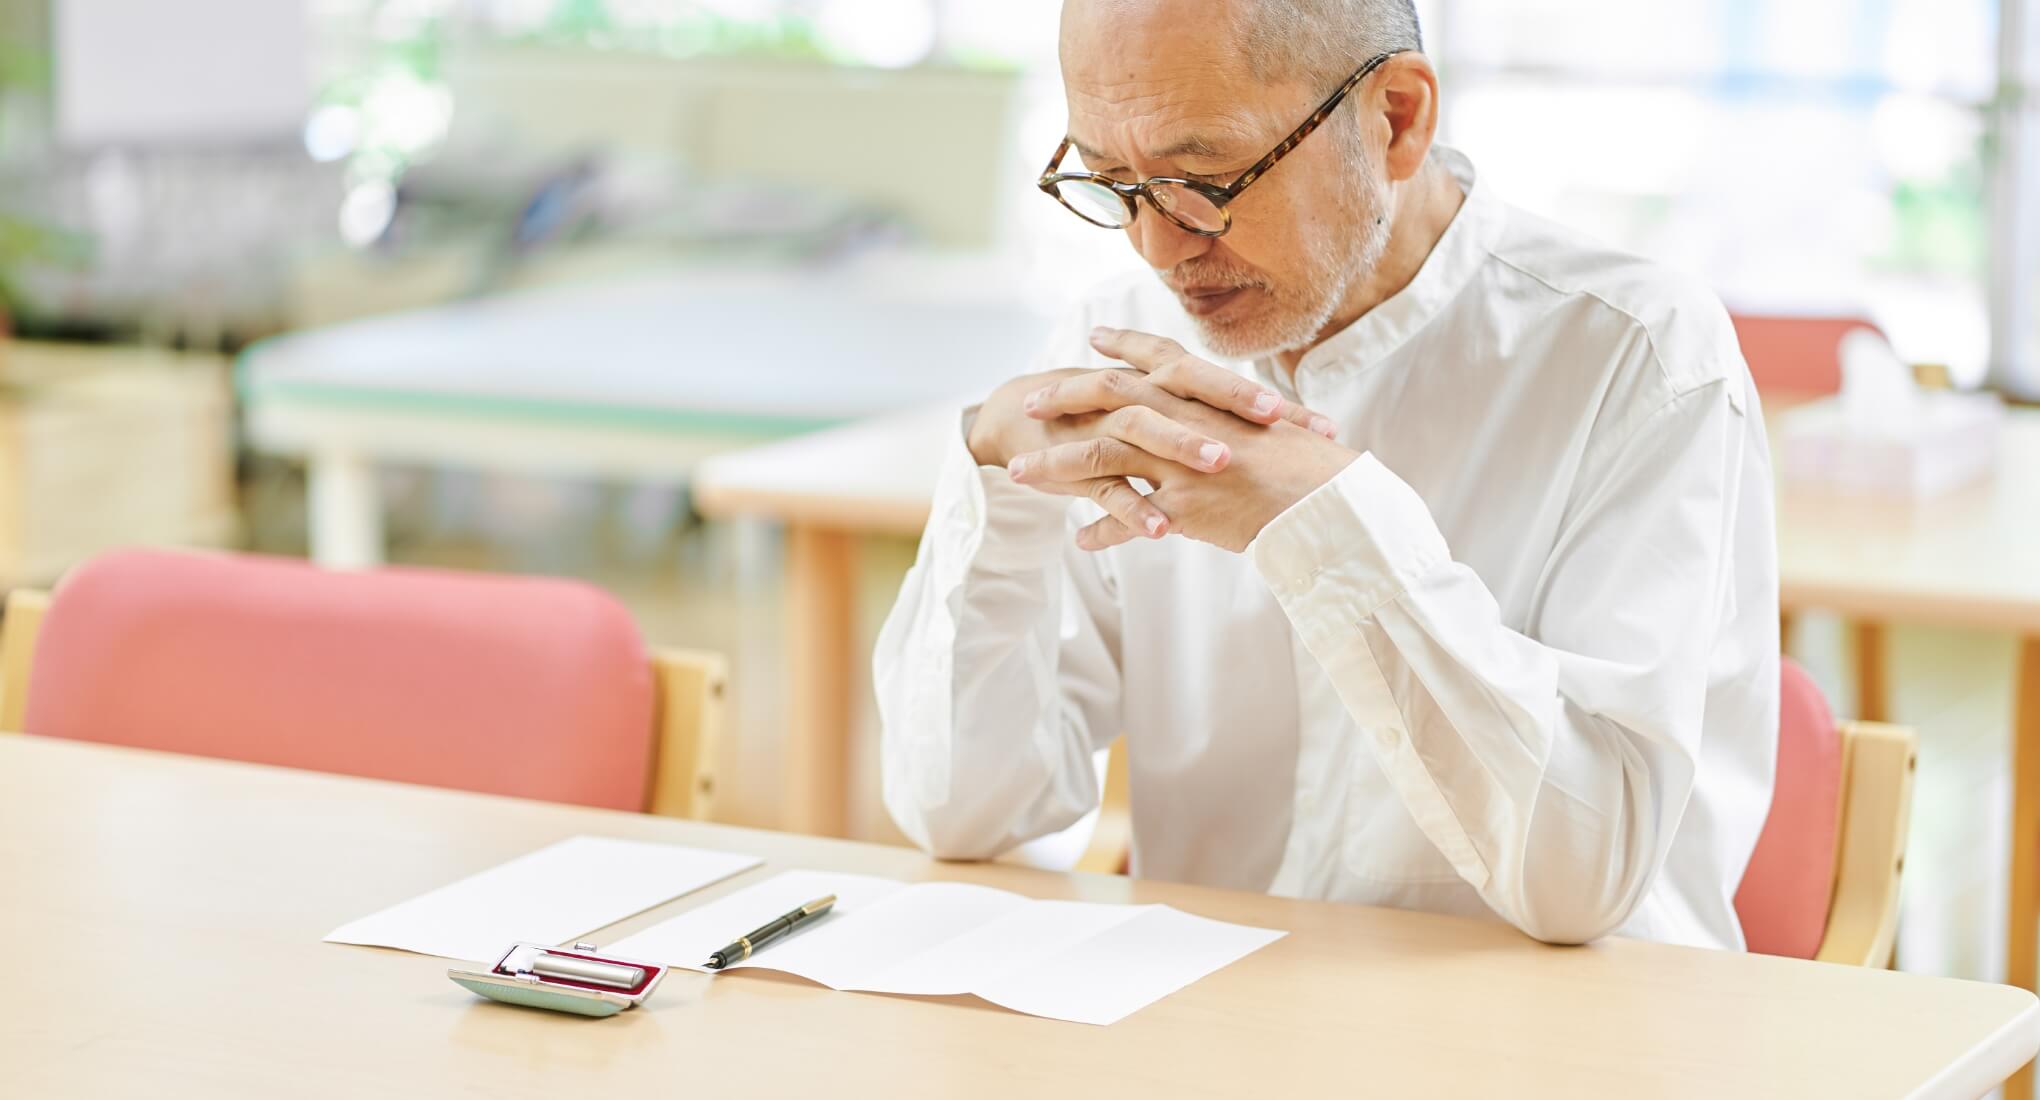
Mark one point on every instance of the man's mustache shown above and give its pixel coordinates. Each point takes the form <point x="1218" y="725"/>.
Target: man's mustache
<point x="1184" y="275"/>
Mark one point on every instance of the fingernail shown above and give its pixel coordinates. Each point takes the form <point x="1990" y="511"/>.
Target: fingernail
<point x="1033" y="399"/>
<point x="1017" y="467"/>
<point x="1101" y="333"/>
<point x="1211" y="454"/>
<point x="1266" y="404"/>
<point x="1324" y="426"/>
<point x="1155" y="526"/>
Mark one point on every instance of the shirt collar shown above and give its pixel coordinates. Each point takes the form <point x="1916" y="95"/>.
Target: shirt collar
<point x="1452" y="262"/>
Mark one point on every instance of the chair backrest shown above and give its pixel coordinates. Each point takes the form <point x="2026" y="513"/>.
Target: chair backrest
<point x="1784" y="897"/>
<point x="1795" y="355"/>
<point x="523" y="686"/>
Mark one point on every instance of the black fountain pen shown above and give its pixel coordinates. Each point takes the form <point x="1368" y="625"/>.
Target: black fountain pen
<point x="766" y="933"/>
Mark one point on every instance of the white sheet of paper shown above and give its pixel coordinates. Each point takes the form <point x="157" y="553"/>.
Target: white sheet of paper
<point x="1069" y="960"/>
<point x="1125" y="968"/>
<point x="554" y="895"/>
<point x="977" y="959"/>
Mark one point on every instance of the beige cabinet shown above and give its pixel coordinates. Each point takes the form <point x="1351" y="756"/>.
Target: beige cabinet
<point x="103" y="447"/>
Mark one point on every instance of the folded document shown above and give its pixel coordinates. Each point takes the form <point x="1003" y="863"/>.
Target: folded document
<point x="1070" y="960"/>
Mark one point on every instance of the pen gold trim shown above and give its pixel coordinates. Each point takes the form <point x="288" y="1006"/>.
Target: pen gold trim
<point x="743" y="947"/>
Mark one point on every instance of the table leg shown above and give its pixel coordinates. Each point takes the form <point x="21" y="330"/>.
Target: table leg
<point x="1871" y="694"/>
<point x="821" y="652"/>
<point x="346" y="511"/>
<point x="2022" y="926"/>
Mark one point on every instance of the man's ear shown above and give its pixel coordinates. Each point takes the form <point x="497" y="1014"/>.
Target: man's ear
<point x="1407" y="93"/>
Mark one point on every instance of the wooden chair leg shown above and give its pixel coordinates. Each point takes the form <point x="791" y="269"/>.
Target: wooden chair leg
<point x="2022" y="925"/>
<point x="1871" y="694"/>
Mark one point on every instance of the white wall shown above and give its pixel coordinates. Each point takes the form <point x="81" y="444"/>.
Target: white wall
<point x="162" y="72"/>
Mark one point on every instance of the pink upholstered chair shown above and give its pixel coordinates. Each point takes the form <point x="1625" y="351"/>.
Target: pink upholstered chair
<point x="1799" y="356"/>
<point x="1823" y="882"/>
<point x="522" y="686"/>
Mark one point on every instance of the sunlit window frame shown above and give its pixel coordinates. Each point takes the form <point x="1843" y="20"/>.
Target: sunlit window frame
<point x="2015" y="203"/>
<point x="2012" y="282"/>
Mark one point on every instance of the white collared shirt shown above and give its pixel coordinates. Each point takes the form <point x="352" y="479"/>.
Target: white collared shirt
<point x="1519" y="658"/>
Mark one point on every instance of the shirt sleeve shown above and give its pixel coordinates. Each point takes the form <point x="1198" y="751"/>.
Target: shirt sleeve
<point x="997" y="671"/>
<point x="1550" y="766"/>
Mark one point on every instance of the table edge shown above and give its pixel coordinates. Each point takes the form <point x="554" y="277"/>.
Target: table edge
<point x="1959" y="610"/>
<point x="1990" y="1062"/>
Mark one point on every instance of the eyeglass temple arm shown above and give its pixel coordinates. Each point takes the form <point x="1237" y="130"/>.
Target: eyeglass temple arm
<point x="1317" y="118"/>
<point x="1055" y="161"/>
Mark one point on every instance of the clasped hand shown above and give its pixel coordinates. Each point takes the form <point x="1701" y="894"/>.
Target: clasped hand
<point x="1224" y="454"/>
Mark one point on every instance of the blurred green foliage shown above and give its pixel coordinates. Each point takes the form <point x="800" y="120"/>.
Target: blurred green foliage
<point x="1943" y="227"/>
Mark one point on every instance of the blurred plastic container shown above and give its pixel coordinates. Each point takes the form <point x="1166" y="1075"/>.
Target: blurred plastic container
<point x="1884" y="436"/>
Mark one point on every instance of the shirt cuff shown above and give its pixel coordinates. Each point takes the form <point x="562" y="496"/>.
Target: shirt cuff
<point x="1003" y="527"/>
<point x="1353" y="544"/>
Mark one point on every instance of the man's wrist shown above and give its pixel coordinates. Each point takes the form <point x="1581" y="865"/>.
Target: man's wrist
<point x="1365" y="530"/>
<point x="976" y="439"/>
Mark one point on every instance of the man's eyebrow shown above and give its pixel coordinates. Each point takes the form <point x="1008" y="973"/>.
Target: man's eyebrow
<point x="1194" y="146"/>
<point x="1090" y="155"/>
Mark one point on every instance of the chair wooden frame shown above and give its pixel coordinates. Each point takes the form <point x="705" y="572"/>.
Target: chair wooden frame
<point x="686" y="720"/>
<point x="1878" y="764"/>
<point x="1112" y="837"/>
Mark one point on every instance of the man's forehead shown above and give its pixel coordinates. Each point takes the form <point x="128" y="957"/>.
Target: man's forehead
<point x="1186" y="117"/>
<point x="1159" y="79"/>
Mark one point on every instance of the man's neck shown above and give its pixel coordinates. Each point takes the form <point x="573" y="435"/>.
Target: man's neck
<point x="1430" y="201"/>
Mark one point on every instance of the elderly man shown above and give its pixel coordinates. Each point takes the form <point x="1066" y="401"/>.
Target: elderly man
<point x="1452" y="590"/>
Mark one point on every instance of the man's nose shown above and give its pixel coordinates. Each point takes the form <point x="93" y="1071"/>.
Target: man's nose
<point x="1163" y="243"/>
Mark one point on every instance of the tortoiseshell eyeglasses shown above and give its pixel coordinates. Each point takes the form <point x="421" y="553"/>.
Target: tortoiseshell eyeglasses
<point x="1199" y="208"/>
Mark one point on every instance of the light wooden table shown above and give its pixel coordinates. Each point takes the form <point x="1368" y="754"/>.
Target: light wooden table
<point x="165" y="916"/>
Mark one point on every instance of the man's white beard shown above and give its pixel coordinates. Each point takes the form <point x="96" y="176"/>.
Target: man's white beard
<point x="1298" y="314"/>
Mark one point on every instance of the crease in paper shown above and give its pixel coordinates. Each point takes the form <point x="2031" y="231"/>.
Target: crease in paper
<point x="1085" y="962"/>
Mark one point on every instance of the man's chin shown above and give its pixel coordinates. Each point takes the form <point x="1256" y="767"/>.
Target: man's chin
<point x="1240" y="337"/>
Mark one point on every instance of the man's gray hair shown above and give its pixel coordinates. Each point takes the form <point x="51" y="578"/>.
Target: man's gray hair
<point x="1323" y="41"/>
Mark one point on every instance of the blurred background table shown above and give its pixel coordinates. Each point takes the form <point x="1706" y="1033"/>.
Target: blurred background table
<point x="1969" y="558"/>
<point x="829" y="489"/>
<point x="630" y="379"/>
